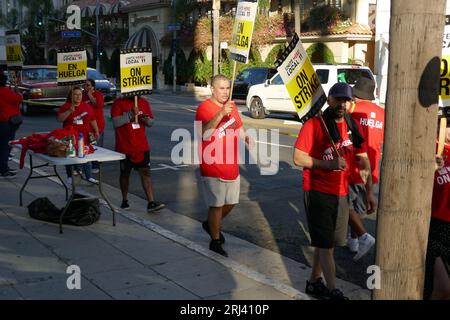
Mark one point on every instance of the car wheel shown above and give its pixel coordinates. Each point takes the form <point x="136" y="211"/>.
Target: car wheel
<point x="257" y="109"/>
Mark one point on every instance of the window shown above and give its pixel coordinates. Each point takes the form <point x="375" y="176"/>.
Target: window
<point x="323" y="75"/>
<point x="277" y="80"/>
<point x="39" y="74"/>
<point x="350" y="76"/>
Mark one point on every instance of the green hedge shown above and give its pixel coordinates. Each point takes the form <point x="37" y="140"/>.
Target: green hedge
<point x="182" y="68"/>
<point x="320" y="53"/>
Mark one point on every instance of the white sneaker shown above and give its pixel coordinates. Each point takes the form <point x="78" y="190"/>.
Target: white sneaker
<point x="92" y="180"/>
<point x="366" y="242"/>
<point x="95" y="170"/>
<point x="69" y="181"/>
<point x="352" y="244"/>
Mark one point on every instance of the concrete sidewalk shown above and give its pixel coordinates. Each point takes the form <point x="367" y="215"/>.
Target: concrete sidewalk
<point x="161" y="255"/>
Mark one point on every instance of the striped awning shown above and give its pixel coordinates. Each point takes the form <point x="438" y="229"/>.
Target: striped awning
<point x="103" y="9"/>
<point x="143" y="38"/>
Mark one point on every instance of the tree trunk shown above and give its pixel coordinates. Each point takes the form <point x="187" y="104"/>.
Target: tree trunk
<point x="297" y="17"/>
<point x="407" y="169"/>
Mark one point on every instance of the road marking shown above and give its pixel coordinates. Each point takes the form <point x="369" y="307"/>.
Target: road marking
<point x="291" y="122"/>
<point x="274" y="144"/>
<point x="190" y="110"/>
<point x="163" y="166"/>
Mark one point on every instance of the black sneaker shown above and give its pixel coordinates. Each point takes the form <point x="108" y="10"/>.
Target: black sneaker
<point x="125" y="204"/>
<point x="216" y="246"/>
<point x="205" y="226"/>
<point x="337" y="294"/>
<point x="155" y="206"/>
<point x="317" y="289"/>
<point x="7" y="174"/>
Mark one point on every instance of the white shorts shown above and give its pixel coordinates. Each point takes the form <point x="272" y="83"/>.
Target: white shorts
<point x="219" y="192"/>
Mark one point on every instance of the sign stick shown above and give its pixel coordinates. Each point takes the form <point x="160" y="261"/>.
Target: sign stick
<point x="441" y="141"/>
<point x="136" y="107"/>
<point x="232" y="78"/>
<point x="329" y="135"/>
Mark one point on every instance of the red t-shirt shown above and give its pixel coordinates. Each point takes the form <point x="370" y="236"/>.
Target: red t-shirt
<point x="441" y="190"/>
<point x="9" y="103"/>
<point x="219" y="154"/>
<point x="80" y="119"/>
<point x="315" y="142"/>
<point x="98" y="110"/>
<point x="370" y="118"/>
<point x="130" y="141"/>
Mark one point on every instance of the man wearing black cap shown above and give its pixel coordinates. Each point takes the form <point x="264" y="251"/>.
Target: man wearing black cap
<point x="371" y="119"/>
<point x="325" y="183"/>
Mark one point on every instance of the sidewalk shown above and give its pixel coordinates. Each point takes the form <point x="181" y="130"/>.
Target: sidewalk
<point x="139" y="258"/>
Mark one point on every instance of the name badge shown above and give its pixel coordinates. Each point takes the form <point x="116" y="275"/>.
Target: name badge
<point x="135" y="125"/>
<point x="79" y="121"/>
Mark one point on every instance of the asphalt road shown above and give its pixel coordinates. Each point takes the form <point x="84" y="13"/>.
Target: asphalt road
<point x="270" y="213"/>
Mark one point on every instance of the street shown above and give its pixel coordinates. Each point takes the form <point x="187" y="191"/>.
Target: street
<point x="270" y="214"/>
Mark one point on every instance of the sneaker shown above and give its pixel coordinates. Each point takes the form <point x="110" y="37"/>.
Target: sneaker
<point x="205" y="226"/>
<point x="12" y="170"/>
<point x="337" y="294"/>
<point x="155" y="206"/>
<point x="10" y="158"/>
<point x="352" y="244"/>
<point x="95" y="170"/>
<point x="366" y="242"/>
<point x="76" y="173"/>
<point x="92" y="180"/>
<point x="216" y="246"/>
<point x="125" y="204"/>
<point x="7" y="174"/>
<point x="317" y="289"/>
<point x="69" y="181"/>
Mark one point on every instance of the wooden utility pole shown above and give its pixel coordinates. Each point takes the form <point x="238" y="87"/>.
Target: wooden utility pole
<point x="407" y="170"/>
<point x="216" y="40"/>
<point x="297" y="16"/>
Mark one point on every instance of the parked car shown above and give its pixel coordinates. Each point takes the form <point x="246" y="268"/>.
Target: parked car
<point x="250" y="77"/>
<point x="38" y="84"/>
<point x="272" y="96"/>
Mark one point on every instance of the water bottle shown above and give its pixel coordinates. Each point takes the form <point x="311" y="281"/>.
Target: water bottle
<point x="80" y="146"/>
<point x="71" y="150"/>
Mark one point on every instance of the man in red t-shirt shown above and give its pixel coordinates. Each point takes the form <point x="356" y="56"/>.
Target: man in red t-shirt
<point x="9" y="108"/>
<point x="221" y="128"/>
<point x="95" y="99"/>
<point x="129" y="121"/>
<point x="370" y="117"/>
<point x="437" y="272"/>
<point x="325" y="184"/>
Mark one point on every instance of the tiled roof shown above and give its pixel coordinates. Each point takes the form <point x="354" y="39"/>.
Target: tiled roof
<point x="355" y="29"/>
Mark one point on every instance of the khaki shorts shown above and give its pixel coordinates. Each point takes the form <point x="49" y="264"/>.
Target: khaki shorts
<point x="219" y="192"/>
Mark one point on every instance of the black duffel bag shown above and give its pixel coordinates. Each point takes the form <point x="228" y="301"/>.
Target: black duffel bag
<point x="83" y="212"/>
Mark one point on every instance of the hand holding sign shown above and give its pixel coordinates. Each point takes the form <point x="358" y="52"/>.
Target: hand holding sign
<point x="227" y="108"/>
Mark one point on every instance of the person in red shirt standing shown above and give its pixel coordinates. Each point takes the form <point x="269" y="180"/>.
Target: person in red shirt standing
<point x="370" y="117"/>
<point x="80" y="116"/>
<point x="437" y="272"/>
<point x="219" y="167"/>
<point x="132" y="141"/>
<point x="96" y="100"/>
<point x="10" y="121"/>
<point x="325" y="184"/>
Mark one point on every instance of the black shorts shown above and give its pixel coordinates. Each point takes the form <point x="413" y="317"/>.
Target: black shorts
<point x="438" y="246"/>
<point x="127" y="165"/>
<point x="327" y="216"/>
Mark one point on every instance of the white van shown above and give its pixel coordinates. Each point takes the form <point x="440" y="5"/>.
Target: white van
<point x="272" y="95"/>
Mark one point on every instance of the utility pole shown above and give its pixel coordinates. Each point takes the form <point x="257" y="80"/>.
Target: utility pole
<point x="297" y="17"/>
<point x="407" y="169"/>
<point x="216" y="41"/>
<point x="97" y="63"/>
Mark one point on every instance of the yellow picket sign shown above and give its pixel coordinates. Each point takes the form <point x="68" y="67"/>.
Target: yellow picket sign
<point x="13" y="54"/>
<point x="72" y="67"/>
<point x="136" y="77"/>
<point x="136" y="71"/>
<point x="241" y="39"/>
<point x="242" y="34"/>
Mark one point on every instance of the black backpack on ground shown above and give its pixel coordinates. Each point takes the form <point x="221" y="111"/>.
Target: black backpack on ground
<point x="79" y="213"/>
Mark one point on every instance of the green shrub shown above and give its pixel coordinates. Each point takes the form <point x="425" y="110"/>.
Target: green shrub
<point x="273" y="55"/>
<point x="320" y="53"/>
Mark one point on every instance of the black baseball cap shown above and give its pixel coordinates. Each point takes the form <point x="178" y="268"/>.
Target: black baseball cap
<point x="341" y="90"/>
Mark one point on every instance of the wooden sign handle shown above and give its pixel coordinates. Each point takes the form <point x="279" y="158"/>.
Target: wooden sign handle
<point x="136" y="107"/>
<point x="441" y="141"/>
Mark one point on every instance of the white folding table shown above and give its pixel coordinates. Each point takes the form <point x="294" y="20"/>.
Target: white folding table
<point x="100" y="155"/>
